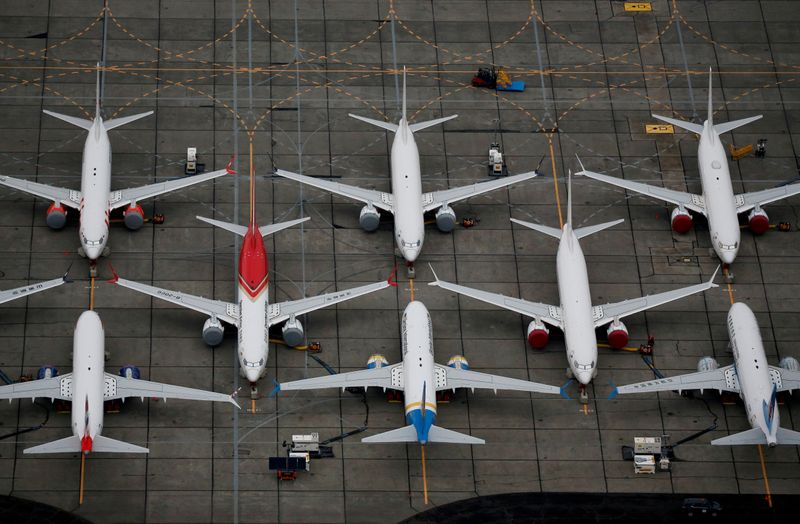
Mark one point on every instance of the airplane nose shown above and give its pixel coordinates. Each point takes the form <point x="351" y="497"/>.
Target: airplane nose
<point x="253" y="374"/>
<point x="410" y="254"/>
<point x="92" y="253"/>
<point x="584" y="377"/>
<point x="727" y="256"/>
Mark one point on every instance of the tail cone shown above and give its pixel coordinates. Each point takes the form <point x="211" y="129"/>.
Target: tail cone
<point x="86" y="444"/>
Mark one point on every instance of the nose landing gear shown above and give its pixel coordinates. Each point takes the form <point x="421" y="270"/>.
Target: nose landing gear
<point x="583" y="397"/>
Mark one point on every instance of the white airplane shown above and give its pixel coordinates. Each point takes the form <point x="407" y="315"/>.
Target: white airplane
<point x="576" y="316"/>
<point x="252" y="314"/>
<point x="96" y="200"/>
<point x="750" y="376"/>
<point x="88" y="386"/>
<point x="419" y="377"/>
<point x="30" y="289"/>
<point x="406" y="202"/>
<point x="717" y="201"/>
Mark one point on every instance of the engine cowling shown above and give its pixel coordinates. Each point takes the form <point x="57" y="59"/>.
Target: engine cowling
<point x="293" y="333"/>
<point x="538" y="334"/>
<point x="213" y="331"/>
<point x="369" y="219"/>
<point x="377" y="361"/>
<point x="707" y="364"/>
<point x="56" y="216"/>
<point x="46" y="372"/>
<point x="617" y="335"/>
<point x="134" y="217"/>
<point x="789" y="364"/>
<point x="758" y="221"/>
<point x="445" y="219"/>
<point x="681" y="220"/>
<point x="458" y="362"/>
<point x="130" y="372"/>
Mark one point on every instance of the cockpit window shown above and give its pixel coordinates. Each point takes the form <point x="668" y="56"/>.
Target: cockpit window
<point x="253" y="364"/>
<point x="411" y="244"/>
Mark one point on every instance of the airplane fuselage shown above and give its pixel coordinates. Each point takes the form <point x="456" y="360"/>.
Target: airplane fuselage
<point x="88" y="377"/>
<point x="752" y="370"/>
<point x="95" y="188"/>
<point x="253" y="297"/>
<point x="576" y="307"/>
<point x="718" y="196"/>
<point x="418" y="369"/>
<point x="409" y="227"/>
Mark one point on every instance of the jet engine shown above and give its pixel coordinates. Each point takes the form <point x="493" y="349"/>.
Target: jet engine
<point x="213" y="330"/>
<point x="134" y="217"/>
<point x="789" y="364"/>
<point x="681" y="220"/>
<point x="445" y="219"/>
<point x="538" y="334"/>
<point x="130" y="372"/>
<point x="56" y="216"/>
<point x="377" y="361"/>
<point x="758" y="221"/>
<point x="46" y="372"/>
<point x="617" y="335"/>
<point x="369" y="218"/>
<point x="707" y="364"/>
<point x="292" y="332"/>
<point x="458" y="362"/>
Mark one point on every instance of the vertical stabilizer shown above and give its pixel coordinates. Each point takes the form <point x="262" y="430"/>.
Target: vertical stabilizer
<point x="710" y="117"/>
<point x="97" y="91"/>
<point x="569" y="198"/>
<point x="403" y="116"/>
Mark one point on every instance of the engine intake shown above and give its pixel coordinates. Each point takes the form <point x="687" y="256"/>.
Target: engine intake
<point x="617" y="335"/>
<point x="134" y="217"/>
<point x="56" y="216"/>
<point x="789" y="364"/>
<point x="213" y="331"/>
<point x="46" y="372"/>
<point x="369" y="219"/>
<point x="293" y="333"/>
<point x="130" y="372"/>
<point x="538" y="334"/>
<point x="707" y="364"/>
<point x="445" y="219"/>
<point x="458" y="362"/>
<point x="681" y="220"/>
<point x="758" y="221"/>
<point x="377" y="361"/>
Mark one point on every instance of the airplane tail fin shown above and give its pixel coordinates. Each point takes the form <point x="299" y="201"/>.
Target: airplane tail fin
<point x="117" y="122"/>
<point x="733" y="124"/>
<point x="569" y="197"/>
<point x="241" y="230"/>
<point x="109" y="445"/>
<point x="744" y="438"/>
<point x="439" y="434"/>
<point x="771" y="408"/>
<point x="75" y="121"/>
<point x="689" y="126"/>
<point x="65" y="445"/>
<point x="404" y="434"/>
<point x="404" y="95"/>
<point x="389" y="126"/>
<point x="591" y="230"/>
<point x="788" y="437"/>
<point x="710" y="114"/>
<point x="547" y="230"/>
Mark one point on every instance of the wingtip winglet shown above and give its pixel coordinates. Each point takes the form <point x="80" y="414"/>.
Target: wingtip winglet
<point x="115" y="277"/>
<point x="563" y="390"/>
<point x="613" y="393"/>
<point x="276" y="389"/>
<point x="392" y="277"/>
<point x="229" y="168"/>
<point x="579" y="173"/>
<point x="435" y="276"/>
<point x="65" y="277"/>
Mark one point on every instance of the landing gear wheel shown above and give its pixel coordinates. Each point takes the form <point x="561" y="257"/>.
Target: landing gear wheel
<point x="569" y="373"/>
<point x="254" y="391"/>
<point x="81" y="252"/>
<point x="106" y="251"/>
<point x="583" y="397"/>
<point x="726" y="271"/>
<point x="412" y="272"/>
<point x="93" y="269"/>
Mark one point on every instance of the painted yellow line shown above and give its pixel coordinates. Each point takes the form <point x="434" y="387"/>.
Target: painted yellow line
<point x="83" y="471"/>
<point x="424" y="477"/>
<point x="555" y="179"/>
<point x="91" y="294"/>
<point x="411" y="288"/>
<point x="764" y="474"/>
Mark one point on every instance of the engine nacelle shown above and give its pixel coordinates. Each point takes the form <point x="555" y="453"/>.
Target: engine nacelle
<point x="130" y="372"/>
<point x="758" y="221"/>
<point x="377" y="361"/>
<point x="707" y="364"/>
<point x="617" y="335"/>
<point x="293" y="333"/>
<point x="789" y="364"/>
<point x="56" y="216"/>
<point x="46" y="372"/>
<point x="446" y="219"/>
<point x="538" y="334"/>
<point x="369" y="219"/>
<point x="681" y="220"/>
<point x="458" y="362"/>
<point x="213" y="331"/>
<point x="134" y="217"/>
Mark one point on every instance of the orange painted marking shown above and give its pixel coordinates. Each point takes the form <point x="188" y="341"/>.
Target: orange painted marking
<point x="424" y="477"/>
<point x="83" y="471"/>
<point x="764" y="474"/>
<point x="555" y="179"/>
<point x="411" y="288"/>
<point x="91" y="294"/>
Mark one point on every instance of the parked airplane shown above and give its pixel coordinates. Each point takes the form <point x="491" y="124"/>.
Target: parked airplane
<point x="95" y="200"/>
<point x="419" y="377"/>
<point x="88" y="386"/>
<point x="750" y="376"/>
<point x="576" y="316"/>
<point x="406" y="202"/>
<point x="717" y="200"/>
<point x="252" y="314"/>
<point x="30" y="289"/>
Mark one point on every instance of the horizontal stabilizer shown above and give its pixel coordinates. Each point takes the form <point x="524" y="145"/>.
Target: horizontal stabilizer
<point x="419" y="126"/>
<point x="788" y="437"/>
<point x="547" y="230"/>
<point x="749" y="437"/>
<point x="109" y="445"/>
<point x="274" y="228"/>
<point x="689" y="126"/>
<point x="378" y="123"/>
<point x="733" y="124"/>
<point x="439" y="434"/>
<point x="590" y="230"/>
<point x="237" y="229"/>
<point x="116" y="122"/>
<point x="406" y="434"/>
<point x="75" y="121"/>
<point x="65" y="445"/>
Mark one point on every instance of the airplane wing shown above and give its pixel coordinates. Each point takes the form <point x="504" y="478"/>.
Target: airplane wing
<point x="378" y="199"/>
<point x="789" y="380"/>
<point x="387" y="377"/>
<point x="462" y="378"/>
<point x="68" y="197"/>
<point x="125" y="197"/>
<point x="19" y="292"/>
<point x="747" y="201"/>
<point x="616" y="310"/>
<point x="59" y="387"/>
<point x="688" y="200"/>
<point x="281" y="311"/>
<point x="437" y="199"/>
<point x="123" y="387"/>
<point x="224" y="311"/>
<point x="721" y="379"/>
<point x="547" y="313"/>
